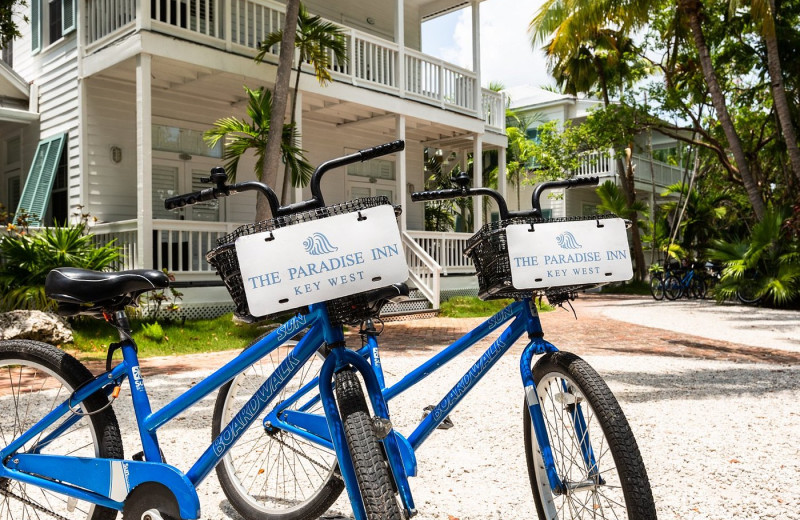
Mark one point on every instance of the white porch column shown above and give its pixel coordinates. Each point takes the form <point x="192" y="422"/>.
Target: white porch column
<point x="298" y="121"/>
<point x="144" y="163"/>
<point x="402" y="176"/>
<point x="400" y="40"/>
<point x="502" y="185"/>
<point x="477" y="181"/>
<point x="476" y="54"/>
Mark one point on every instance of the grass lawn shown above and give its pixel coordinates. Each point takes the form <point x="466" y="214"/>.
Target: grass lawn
<point x="632" y="287"/>
<point x="92" y="337"/>
<point x="474" y="307"/>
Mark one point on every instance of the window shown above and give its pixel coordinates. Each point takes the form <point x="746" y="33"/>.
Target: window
<point x="51" y="20"/>
<point x="183" y="140"/>
<point x="14" y="188"/>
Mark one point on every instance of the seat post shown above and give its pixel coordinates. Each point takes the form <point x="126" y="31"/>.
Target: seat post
<point x="122" y="325"/>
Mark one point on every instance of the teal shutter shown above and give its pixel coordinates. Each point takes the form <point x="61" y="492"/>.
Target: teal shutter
<point x="36" y="193"/>
<point x="36" y="25"/>
<point x="68" y="15"/>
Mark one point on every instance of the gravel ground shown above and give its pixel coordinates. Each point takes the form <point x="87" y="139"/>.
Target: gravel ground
<point x="719" y="439"/>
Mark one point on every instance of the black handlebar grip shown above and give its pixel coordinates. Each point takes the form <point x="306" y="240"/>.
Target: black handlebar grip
<point x="188" y="199"/>
<point x="382" y="149"/>
<point x="437" y="195"/>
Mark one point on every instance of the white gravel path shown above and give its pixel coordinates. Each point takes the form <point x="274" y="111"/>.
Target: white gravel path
<point x="720" y="440"/>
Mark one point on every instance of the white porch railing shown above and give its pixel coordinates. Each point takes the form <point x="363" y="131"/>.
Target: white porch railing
<point x="446" y="249"/>
<point x="124" y="234"/>
<point x="422" y="270"/>
<point x="180" y="246"/>
<point x="240" y="25"/>
<point x="601" y="164"/>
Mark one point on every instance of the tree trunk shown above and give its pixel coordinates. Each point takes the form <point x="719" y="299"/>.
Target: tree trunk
<point x="280" y="95"/>
<point x="629" y="189"/>
<point x="692" y="10"/>
<point x="287" y="171"/>
<point x="779" y="93"/>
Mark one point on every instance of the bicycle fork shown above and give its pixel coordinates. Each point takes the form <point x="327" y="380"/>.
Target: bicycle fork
<point x="539" y="346"/>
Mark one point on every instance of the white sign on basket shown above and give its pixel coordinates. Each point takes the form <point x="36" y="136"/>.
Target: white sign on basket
<point x="321" y="260"/>
<point x="557" y="254"/>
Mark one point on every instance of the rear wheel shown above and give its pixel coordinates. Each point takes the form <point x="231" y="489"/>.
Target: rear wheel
<point x="366" y="451"/>
<point x="748" y="289"/>
<point x="672" y="288"/>
<point x="34" y="379"/>
<point x="595" y="454"/>
<point x="273" y="473"/>
<point x="657" y="287"/>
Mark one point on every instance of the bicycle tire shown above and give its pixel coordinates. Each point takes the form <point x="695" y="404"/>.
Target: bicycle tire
<point x="747" y="293"/>
<point x="673" y="289"/>
<point x="657" y="288"/>
<point x="274" y="474"/>
<point x="562" y="380"/>
<point x="366" y="451"/>
<point x="697" y="288"/>
<point x="34" y="378"/>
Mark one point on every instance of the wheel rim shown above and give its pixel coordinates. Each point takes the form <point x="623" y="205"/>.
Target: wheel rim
<point x="672" y="288"/>
<point x="275" y="472"/>
<point x="657" y="288"/>
<point x="593" y="491"/>
<point x="28" y="391"/>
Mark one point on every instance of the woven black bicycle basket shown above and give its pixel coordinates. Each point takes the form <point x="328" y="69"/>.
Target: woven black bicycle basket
<point x="349" y="309"/>
<point x="488" y="249"/>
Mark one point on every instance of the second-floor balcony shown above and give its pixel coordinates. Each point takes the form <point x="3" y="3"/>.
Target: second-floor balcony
<point x="645" y="171"/>
<point x="238" y="26"/>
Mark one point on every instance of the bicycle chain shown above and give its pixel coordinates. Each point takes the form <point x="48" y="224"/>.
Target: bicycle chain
<point x="34" y="505"/>
<point x="302" y="454"/>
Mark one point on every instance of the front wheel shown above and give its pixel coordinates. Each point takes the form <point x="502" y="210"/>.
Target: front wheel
<point x="657" y="287"/>
<point x="595" y="454"/>
<point x="366" y="451"/>
<point x="673" y="289"/>
<point x="34" y="379"/>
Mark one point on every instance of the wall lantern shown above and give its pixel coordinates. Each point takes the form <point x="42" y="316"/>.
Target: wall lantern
<point x="116" y="154"/>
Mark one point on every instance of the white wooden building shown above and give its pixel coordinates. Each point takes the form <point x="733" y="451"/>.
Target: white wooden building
<point x="651" y="178"/>
<point x="103" y="104"/>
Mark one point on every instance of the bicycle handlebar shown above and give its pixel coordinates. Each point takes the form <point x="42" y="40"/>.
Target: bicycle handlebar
<point x="462" y="191"/>
<point x="218" y="177"/>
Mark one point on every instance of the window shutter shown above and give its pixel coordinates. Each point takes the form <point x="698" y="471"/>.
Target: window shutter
<point x="36" y="193"/>
<point x="36" y="25"/>
<point x="68" y="15"/>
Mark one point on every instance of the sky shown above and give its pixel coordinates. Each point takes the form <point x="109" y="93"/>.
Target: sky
<point x="506" y="52"/>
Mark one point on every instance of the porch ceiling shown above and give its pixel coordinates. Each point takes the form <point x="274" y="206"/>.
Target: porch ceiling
<point x="192" y="80"/>
<point x="353" y="117"/>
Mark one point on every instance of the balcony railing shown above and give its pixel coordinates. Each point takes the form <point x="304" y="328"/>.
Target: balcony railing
<point x="601" y="164"/>
<point x="239" y="26"/>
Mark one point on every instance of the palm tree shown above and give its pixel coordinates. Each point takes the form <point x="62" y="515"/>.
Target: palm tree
<point x="692" y="10"/>
<point x="241" y="136"/>
<point x="703" y="214"/>
<point x="319" y="43"/>
<point x="763" y="13"/>
<point x="274" y="144"/>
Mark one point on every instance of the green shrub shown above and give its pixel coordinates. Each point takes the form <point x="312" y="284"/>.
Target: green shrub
<point x="27" y="255"/>
<point x="153" y="331"/>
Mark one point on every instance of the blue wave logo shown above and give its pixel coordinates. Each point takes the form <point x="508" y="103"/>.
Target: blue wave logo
<point x="567" y="241"/>
<point x="318" y="244"/>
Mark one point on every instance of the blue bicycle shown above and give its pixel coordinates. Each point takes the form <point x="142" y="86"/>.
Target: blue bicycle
<point x="292" y="425"/>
